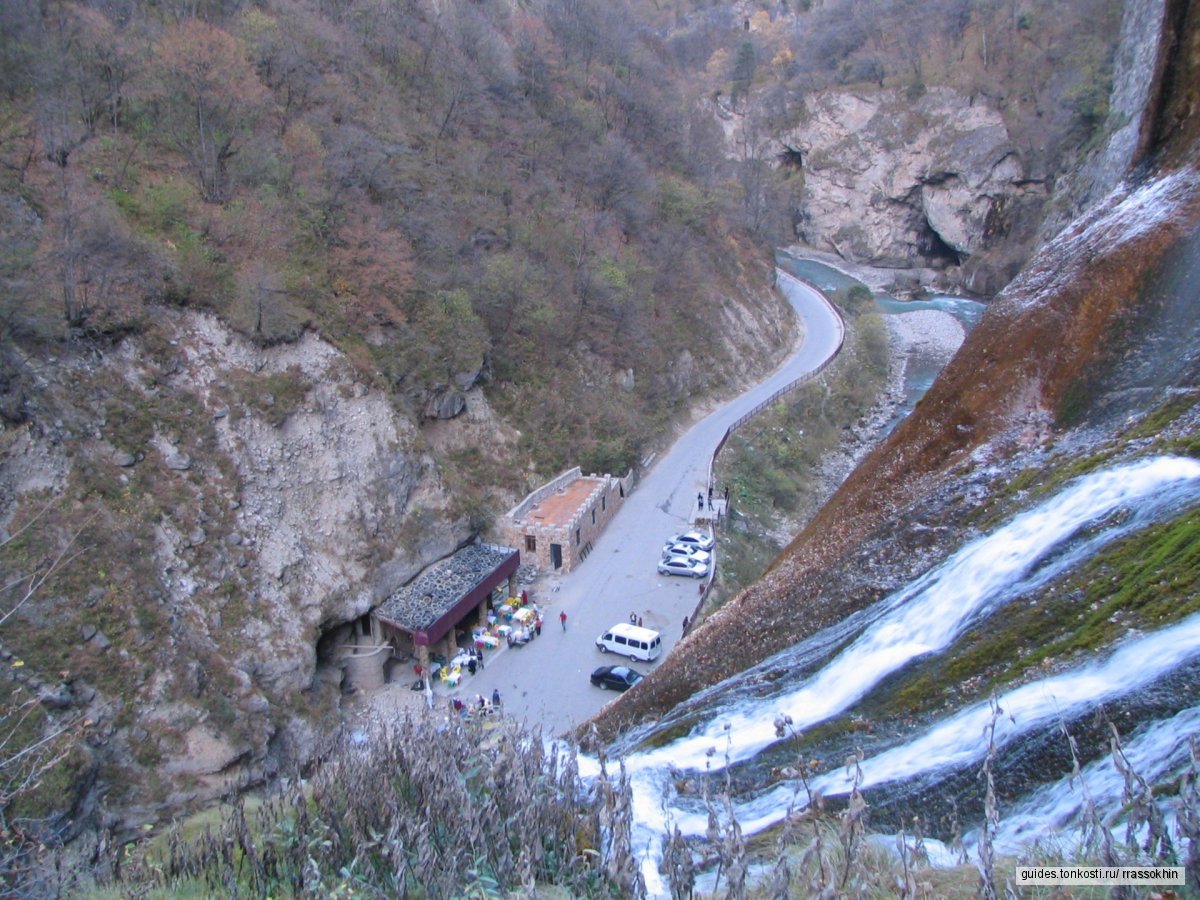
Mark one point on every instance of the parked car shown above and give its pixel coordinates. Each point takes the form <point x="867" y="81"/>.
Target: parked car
<point x="632" y="641"/>
<point x="615" y="678"/>
<point x="682" y="565"/>
<point x="687" y="551"/>
<point x="701" y="540"/>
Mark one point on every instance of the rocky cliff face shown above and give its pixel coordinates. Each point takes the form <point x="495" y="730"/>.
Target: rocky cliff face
<point x="282" y="498"/>
<point x="1136" y="78"/>
<point x="936" y="182"/>
<point x="237" y="508"/>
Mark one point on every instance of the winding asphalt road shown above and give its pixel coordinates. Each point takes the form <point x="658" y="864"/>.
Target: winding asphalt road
<point x="546" y="682"/>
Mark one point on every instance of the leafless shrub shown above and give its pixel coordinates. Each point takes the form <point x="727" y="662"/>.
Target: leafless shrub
<point x="724" y="836"/>
<point x="35" y="743"/>
<point x="853" y="817"/>
<point x="1143" y="810"/>
<point x="677" y="865"/>
<point x="911" y="855"/>
<point x="991" y="813"/>
<point x="818" y="853"/>
<point x="616" y="826"/>
<point x="1187" y="818"/>
<point x="1095" y="833"/>
<point x="466" y="809"/>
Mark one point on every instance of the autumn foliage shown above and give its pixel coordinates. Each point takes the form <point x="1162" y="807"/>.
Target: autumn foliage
<point x="330" y="166"/>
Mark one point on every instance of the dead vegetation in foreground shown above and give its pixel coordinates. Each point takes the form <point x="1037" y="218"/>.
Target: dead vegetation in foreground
<point x="488" y="809"/>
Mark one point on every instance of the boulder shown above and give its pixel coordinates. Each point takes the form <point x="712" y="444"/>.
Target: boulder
<point x="206" y="753"/>
<point x="100" y="641"/>
<point x="180" y="462"/>
<point x="445" y="404"/>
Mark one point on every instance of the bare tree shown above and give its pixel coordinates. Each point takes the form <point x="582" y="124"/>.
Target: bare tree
<point x="62" y="131"/>
<point x="210" y="95"/>
<point x="32" y="743"/>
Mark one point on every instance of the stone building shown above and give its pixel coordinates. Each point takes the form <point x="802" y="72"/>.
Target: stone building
<point x="556" y="525"/>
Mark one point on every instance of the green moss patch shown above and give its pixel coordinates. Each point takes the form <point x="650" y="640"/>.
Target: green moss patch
<point x="1146" y="581"/>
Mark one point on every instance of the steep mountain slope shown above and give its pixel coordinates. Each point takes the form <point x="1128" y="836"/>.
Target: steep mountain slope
<point x="945" y="135"/>
<point x="296" y="296"/>
<point x="1087" y="356"/>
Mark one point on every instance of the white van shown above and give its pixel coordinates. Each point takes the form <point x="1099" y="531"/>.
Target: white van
<point x="632" y="641"/>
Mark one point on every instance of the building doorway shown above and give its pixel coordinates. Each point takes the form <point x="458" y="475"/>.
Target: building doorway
<point x="556" y="556"/>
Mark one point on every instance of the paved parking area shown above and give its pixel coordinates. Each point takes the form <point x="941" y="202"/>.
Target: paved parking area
<point x="546" y="682"/>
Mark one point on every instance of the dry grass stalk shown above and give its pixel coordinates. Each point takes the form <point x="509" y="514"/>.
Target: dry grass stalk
<point x="468" y="809"/>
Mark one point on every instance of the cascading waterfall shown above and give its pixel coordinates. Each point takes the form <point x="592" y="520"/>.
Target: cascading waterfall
<point x="1159" y="752"/>
<point x="928" y="614"/>
<point x="958" y="741"/>
<point x="923" y="618"/>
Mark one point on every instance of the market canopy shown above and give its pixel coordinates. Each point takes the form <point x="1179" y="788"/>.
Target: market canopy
<point x="445" y="593"/>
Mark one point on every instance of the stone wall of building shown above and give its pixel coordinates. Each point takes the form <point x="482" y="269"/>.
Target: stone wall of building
<point x="590" y="520"/>
<point x="574" y="538"/>
<point x="521" y="510"/>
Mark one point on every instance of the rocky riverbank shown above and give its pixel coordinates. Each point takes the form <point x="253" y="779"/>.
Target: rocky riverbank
<point x="928" y="338"/>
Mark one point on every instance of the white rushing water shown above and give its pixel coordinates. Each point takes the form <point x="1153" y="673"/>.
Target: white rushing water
<point x="1158" y="752"/>
<point x="961" y="739"/>
<point x="928" y="614"/>
<point x="925" y="617"/>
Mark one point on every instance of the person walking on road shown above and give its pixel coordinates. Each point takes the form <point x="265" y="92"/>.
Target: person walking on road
<point x="562" y="618"/>
<point x="496" y="697"/>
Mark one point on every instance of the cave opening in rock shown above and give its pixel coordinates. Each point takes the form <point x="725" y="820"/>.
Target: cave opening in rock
<point x="331" y="648"/>
<point x="792" y="158"/>
<point x="933" y="250"/>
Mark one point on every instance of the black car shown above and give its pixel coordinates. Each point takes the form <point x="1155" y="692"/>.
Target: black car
<point x="615" y="678"/>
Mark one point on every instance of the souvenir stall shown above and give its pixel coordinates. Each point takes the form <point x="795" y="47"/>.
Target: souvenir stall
<point x="516" y="621"/>
<point x="427" y="615"/>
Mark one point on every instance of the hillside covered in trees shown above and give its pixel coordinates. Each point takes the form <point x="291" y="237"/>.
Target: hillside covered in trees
<point x="295" y="298"/>
<point x="298" y="294"/>
<point x="476" y="192"/>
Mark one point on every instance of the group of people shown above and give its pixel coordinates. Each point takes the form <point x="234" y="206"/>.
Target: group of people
<point x="700" y="498"/>
<point x="635" y="619"/>
<point x="481" y="707"/>
<point x="525" y="620"/>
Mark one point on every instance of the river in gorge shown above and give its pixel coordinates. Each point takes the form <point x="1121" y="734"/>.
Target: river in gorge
<point x="921" y="368"/>
<point x="744" y="728"/>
